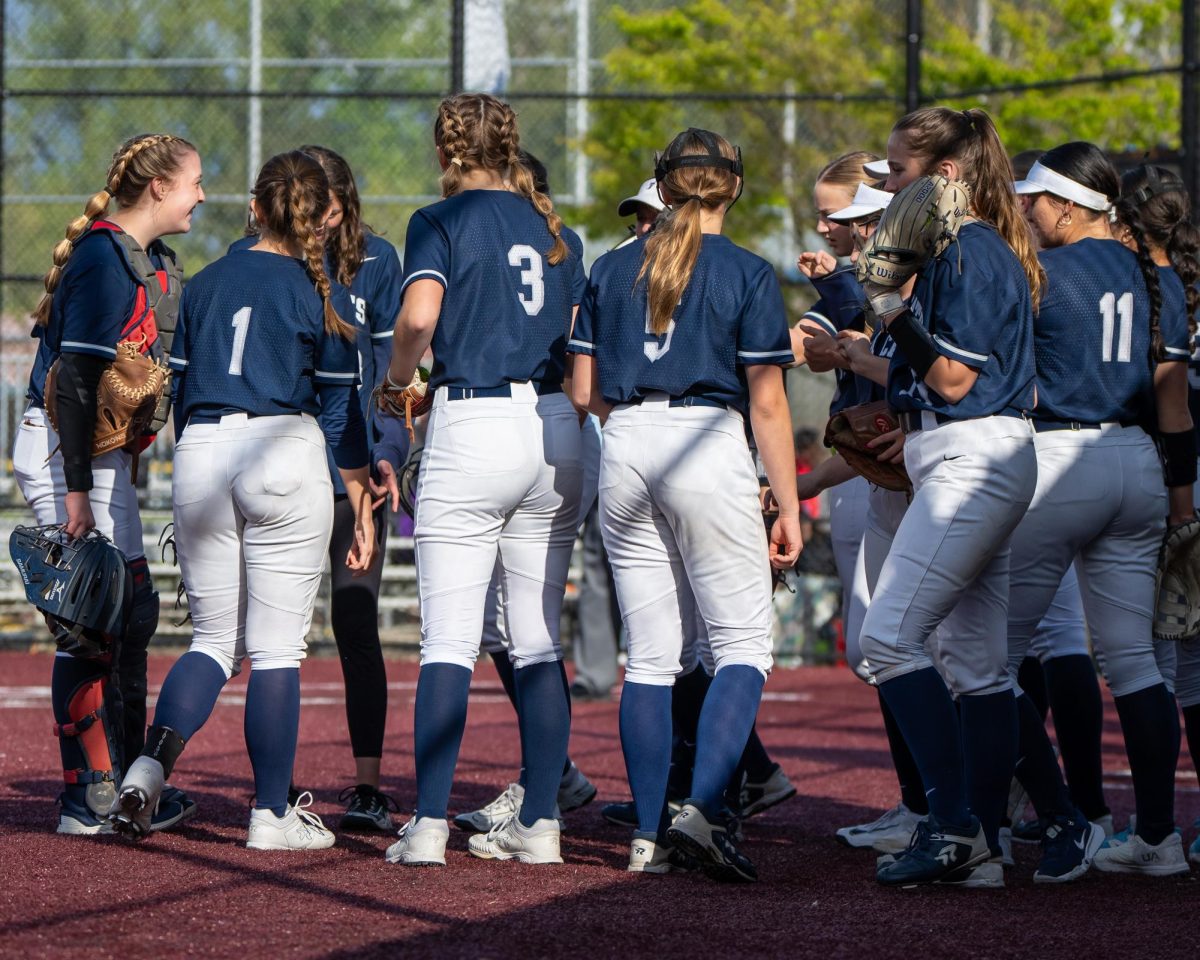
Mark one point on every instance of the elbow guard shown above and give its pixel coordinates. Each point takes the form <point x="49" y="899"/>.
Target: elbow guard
<point x="915" y="342"/>
<point x="1178" y="452"/>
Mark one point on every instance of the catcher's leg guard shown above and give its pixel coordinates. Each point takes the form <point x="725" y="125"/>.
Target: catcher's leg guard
<point x="143" y="784"/>
<point x="131" y="659"/>
<point x="84" y="707"/>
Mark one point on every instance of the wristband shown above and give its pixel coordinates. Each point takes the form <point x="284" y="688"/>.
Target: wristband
<point x="915" y="342"/>
<point x="1178" y="452"/>
<point x="887" y="306"/>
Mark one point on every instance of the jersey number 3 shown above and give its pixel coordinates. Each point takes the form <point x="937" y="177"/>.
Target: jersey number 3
<point x="523" y="255"/>
<point x="1113" y="309"/>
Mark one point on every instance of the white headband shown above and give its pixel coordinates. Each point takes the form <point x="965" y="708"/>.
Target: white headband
<point x="1044" y="180"/>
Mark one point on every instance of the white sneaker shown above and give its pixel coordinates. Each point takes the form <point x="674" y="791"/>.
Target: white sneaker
<point x="508" y="804"/>
<point x="512" y="840"/>
<point x="646" y="856"/>
<point x="988" y="875"/>
<point x="422" y="843"/>
<point x="757" y="797"/>
<point x="1018" y="800"/>
<point x="138" y="797"/>
<point x="1105" y="823"/>
<point x="297" y="829"/>
<point x="889" y="834"/>
<point x="1137" y="856"/>
<point x="574" y="790"/>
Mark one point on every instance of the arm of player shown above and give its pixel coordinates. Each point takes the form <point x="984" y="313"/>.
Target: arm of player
<point x="826" y="474"/>
<point x="771" y="420"/>
<point x="1177" y="438"/>
<point x="585" y="388"/>
<point x="345" y="432"/>
<point x="857" y="349"/>
<point x="78" y="377"/>
<point x="414" y="327"/>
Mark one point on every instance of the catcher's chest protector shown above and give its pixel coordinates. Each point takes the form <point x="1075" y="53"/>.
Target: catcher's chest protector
<point x="156" y="306"/>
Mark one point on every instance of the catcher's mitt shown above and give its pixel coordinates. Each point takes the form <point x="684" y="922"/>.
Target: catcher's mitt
<point x="408" y="402"/>
<point x="918" y="225"/>
<point x="848" y="432"/>
<point x="1177" y="608"/>
<point x="128" y="394"/>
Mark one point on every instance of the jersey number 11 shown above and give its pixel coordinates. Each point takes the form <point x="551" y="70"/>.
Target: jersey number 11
<point x="1112" y="309"/>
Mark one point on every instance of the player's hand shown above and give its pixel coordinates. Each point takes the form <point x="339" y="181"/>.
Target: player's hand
<point x="854" y="346"/>
<point x="80" y="521"/>
<point x="786" y="542"/>
<point x="890" y="446"/>
<point x="362" y="552"/>
<point x="823" y="352"/>
<point x="815" y="264"/>
<point x="386" y="488"/>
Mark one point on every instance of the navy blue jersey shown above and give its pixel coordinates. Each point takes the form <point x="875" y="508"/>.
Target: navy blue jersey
<point x="974" y="300"/>
<point x="506" y="311"/>
<point x="842" y="306"/>
<point x="1092" y="334"/>
<point x="251" y="339"/>
<point x="94" y="301"/>
<point x="882" y="345"/>
<point x="1173" y="316"/>
<point x="731" y="316"/>
<point x="1194" y="384"/>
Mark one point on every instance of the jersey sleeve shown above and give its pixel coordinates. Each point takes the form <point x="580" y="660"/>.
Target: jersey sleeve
<point x="579" y="275"/>
<point x="336" y="361"/>
<point x="426" y="251"/>
<point x="582" y="339"/>
<point x="763" y="336"/>
<point x="962" y="316"/>
<point x="841" y="302"/>
<point x="97" y="297"/>
<point x="178" y="360"/>
<point x="1173" y="319"/>
<point x="385" y="298"/>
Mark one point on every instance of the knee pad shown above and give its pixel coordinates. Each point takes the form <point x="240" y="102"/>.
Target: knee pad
<point x="87" y="714"/>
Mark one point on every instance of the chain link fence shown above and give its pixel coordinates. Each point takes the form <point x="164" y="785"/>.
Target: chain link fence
<point x="598" y="86"/>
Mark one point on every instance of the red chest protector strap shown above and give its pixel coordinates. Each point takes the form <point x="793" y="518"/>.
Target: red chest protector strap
<point x="156" y="305"/>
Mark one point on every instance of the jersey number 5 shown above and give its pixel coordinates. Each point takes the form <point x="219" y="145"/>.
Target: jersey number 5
<point x="1113" y="309"/>
<point x="523" y="255"/>
<point x="241" y="326"/>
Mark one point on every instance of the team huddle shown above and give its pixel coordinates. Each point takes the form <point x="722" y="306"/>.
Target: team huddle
<point x="1025" y="372"/>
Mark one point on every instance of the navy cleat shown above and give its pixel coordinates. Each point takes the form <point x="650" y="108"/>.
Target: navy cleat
<point x="1068" y="846"/>
<point x="711" y="844"/>
<point x="937" y="851"/>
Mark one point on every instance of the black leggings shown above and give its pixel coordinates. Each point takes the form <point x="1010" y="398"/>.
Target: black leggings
<point x="354" y="610"/>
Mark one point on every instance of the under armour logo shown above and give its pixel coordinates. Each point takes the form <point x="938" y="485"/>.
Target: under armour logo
<point x="946" y="855"/>
<point x="1149" y="857"/>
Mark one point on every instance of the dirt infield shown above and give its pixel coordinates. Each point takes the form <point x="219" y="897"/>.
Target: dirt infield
<point x="200" y="893"/>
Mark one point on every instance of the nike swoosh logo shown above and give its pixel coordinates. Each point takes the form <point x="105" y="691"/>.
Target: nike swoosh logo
<point x="369" y="259"/>
<point x="1079" y="843"/>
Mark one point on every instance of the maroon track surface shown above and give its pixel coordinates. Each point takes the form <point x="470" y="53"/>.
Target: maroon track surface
<point x="199" y="892"/>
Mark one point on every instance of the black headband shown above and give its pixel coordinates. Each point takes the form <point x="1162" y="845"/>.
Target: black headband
<point x="664" y="163"/>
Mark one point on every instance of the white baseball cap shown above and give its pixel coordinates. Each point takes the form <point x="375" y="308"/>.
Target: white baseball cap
<point x="647" y="194"/>
<point x="1041" y="179"/>
<point x="867" y="201"/>
<point x="878" y="168"/>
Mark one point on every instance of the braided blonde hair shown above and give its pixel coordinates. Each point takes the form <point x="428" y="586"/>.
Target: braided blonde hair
<point x="292" y="195"/>
<point x="143" y="158"/>
<point x="477" y="131"/>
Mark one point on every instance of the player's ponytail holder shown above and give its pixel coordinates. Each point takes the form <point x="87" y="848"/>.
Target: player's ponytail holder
<point x="688" y="199"/>
<point x="457" y="162"/>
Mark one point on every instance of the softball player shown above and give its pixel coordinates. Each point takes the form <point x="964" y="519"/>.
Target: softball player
<point x="259" y="353"/>
<point x="961" y="379"/>
<point x="113" y="279"/>
<point x="673" y="369"/>
<point x="366" y="276"/>
<point x="491" y="281"/>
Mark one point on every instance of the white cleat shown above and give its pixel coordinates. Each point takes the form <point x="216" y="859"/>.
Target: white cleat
<point x="574" y="790"/>
<point x="988" y="875"/>
<point x="422" y="843"/>
<point x="1135" y="855"/>
<point x="138" y="798"/>
<point x="512" y="840"/>
<point x="889" y="834"/>
<point x="508" y="804"/>
<point x="297" y="829"/>
<point x="647" y="856"/>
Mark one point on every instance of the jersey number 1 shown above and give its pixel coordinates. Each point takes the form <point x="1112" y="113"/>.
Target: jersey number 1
<point x="1112" y="309"/>
<point x="241" y="325"/>
<point x="523" y="255"/>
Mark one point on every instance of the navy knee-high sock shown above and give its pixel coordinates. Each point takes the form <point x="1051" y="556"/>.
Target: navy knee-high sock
<point x="189" y="694"/>
<point x="927" y="717"/>
<point x="1036" y="767"/>
<point x="989" y="729"/>
<point x="1150" y="722"/>
<point x="1078" y="710"/>
<point x="272" y="725"/>
<point x="912" y="789"/>
<point x="646" y="742"/>
<point x="687" y="700"/>
<point x="725" y="721"/>
<point x="504" y="668"/>
<point x="1032" y="679"/>
<point x="439" y="716"/>
<point x="1191" y="721"/>
<point x="545" y="718"/>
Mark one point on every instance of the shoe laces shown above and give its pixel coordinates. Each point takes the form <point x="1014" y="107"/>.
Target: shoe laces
<point x="368" y="798"/>
<point x="507" y="801"/>
<point x="310" y="821"/>
<point x="500" y="828"/>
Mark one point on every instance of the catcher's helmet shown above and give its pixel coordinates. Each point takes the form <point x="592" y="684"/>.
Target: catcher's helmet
<point x="674" y="158"/>
<point x="84" y="587"/>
